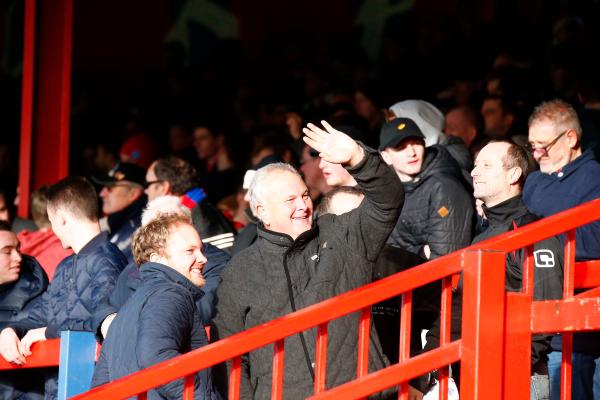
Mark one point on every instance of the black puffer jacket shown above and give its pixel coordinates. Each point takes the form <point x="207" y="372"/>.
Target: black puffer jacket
<point x="335" y="256"/>
<point x="16" y="295"/>
<point x="158" y="322"/>
<point x="438" y="210"/>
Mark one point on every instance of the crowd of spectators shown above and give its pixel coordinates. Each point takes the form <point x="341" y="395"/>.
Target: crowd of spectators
<point x="233" y="212"/>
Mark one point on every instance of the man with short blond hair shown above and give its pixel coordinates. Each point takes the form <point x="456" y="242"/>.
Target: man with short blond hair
<point x="160" y="320"/>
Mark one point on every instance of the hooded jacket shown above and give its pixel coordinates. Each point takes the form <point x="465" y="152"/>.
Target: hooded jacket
<point x="277" y="275"/>
<point x="122" y="225"/>
<point x="158" y="322"/>
<point x="438" y="209"/>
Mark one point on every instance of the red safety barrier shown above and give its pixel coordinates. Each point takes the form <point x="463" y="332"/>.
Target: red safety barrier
<point x="494" y="354"/>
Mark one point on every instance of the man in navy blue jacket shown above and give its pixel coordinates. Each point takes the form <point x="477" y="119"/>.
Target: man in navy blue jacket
<point x="160" y="320"/>
<point x="130" y="278"/>
<point x="80" y="283"/>
<point x="568" y="177"/>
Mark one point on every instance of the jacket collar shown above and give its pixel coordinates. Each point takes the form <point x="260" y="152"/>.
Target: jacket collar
<point x="508" y="210"/>
<point x="284" y="240"/>
<point x="93" y="244"/>
<point x="151" y="270"/>
<point x="571" y="167"/>
<point x="132" y="211"/>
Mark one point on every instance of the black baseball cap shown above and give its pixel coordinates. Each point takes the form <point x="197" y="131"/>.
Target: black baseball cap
<point x="397" y="130"/>
<point x="123" y="172"/>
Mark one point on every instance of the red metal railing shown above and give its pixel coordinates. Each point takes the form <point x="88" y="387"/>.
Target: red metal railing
<point x="492" y="352"/>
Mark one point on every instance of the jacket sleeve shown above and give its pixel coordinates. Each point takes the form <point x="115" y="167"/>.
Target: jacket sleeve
<point x="33" y="316"/>
<point x="164" y="330"/>
<point x="368" y="228"/>
<point x="217" y="259"/>
<point x="450" y="219"/>
<point x="230" y="318"/>
<point x="103" y="276"/>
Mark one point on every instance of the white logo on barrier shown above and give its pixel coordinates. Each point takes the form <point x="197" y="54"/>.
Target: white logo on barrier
<point x="544" y="258"/>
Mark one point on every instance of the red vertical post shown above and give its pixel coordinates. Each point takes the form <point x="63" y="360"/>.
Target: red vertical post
<point x="321" y="359"/>
<point x="188" y="387"/>
<point x="482" y="354"/>
<point x="278" y="359"/>
<point x="234" y="378"/>
<point x="363" y="342"/>
<point x="445" y="330"/>
<point x="404" y="348"/>
<point x="567" y="337"/>
<point x="45" y="118"/>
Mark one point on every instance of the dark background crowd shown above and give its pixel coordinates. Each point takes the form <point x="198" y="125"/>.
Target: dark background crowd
<point x="146" y="77"/>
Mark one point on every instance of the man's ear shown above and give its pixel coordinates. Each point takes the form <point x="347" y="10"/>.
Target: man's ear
<point x="167" y="187"/>
<point x="514" y="175"/>
<point x="61" y="216"/>
<point x="386" y="157"/>
<point x="262" y="214"/>
<point x="155" y="257"/>
<point x="572" y="138"/>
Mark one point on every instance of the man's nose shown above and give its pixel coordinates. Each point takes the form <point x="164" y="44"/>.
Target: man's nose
<point x="200" y="258"/>
<point x="16" y="256"/>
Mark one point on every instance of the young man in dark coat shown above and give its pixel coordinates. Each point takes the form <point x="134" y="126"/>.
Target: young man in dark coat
<point x="160" y="320"/>
<point x="500" y="170"/>
<point x="22" y="280"/>
<point x="81" y="281"/>
<point x="296" y="263"/>
<point x="437" y="215"/>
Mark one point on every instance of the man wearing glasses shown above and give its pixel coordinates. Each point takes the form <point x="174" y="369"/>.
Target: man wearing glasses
<point x="568" y="177"/>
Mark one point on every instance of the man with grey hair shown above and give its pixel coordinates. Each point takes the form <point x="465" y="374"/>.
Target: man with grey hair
<point x="297" y="262"/>
<point x="568" y="177"/>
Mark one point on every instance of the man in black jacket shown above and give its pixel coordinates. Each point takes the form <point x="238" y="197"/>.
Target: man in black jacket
<point x="22" y="280"/>
<point x="160" y="320"/>
<point x="437" y="214"/>
<point x="500" y="171"/>
<point x="296" y="263"/>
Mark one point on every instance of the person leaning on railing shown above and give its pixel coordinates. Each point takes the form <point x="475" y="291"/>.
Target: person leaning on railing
<point x="297" y="262"/>
<point x="500" y="170"/>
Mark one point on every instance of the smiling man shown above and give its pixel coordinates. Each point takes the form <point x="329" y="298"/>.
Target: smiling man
<point x="568" y="177"/>
<point x="22" y="280"/>
<point x="160" y="320"/>
<point x="437" y="215"/>
<point x="500" y="170"/>
<point x="296" y="262"/>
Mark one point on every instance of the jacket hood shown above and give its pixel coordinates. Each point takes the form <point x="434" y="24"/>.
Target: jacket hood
<point x="436" y="161"/>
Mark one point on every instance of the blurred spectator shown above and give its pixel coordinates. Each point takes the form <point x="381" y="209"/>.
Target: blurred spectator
<point x="8" y="212"/>
<point x="123" y="201"/>
<point x="174" y="176"/>
<point x="463" y="122"/>
<point x="138" y="149"/>
<point x="312" y="174"/>
<point x="42" y="244"/>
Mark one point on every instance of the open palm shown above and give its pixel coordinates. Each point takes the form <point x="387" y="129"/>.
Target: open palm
<point x="333" y="146"/>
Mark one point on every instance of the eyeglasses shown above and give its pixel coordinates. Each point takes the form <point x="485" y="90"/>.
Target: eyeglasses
<point x="543" y="150"/>
<point x="150" y="183"/>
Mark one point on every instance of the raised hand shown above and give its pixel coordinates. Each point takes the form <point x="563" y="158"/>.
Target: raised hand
<point x="333" y="146"/>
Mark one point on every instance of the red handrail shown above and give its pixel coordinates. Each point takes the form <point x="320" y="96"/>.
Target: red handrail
<point x="479" y="300"/>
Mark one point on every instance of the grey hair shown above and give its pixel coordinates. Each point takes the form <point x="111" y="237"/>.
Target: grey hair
<point x="260" y="182"/>
<point x="559" y="113"/>
<point x="163" y="206"/>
